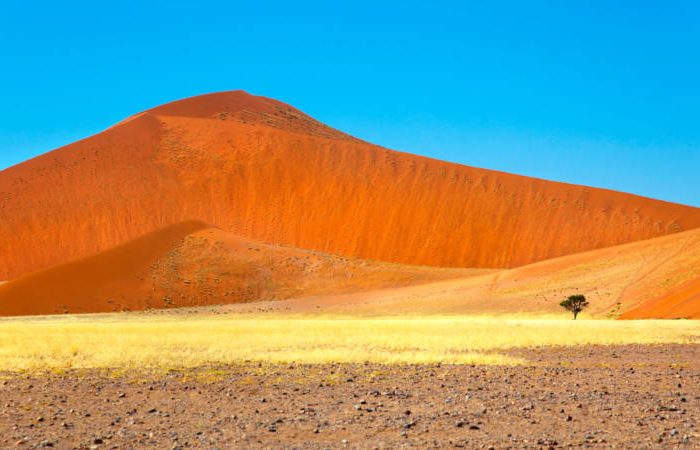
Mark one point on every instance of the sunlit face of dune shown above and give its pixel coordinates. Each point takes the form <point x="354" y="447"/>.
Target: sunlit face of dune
<point x="266" y="171"/>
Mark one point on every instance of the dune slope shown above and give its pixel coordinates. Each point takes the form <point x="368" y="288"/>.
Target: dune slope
<point x="264" y="170"/>
<point x="680" y="303"/>
<point x="193" y="264"/>
<point x="615" y="280"/>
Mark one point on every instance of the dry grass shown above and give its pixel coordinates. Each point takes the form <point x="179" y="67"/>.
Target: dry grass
<point x="155" y="342"/>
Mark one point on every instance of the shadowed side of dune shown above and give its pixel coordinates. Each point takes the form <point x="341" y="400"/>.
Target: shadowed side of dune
<point x="93" y="284"/>
<point x="193" y="264"/>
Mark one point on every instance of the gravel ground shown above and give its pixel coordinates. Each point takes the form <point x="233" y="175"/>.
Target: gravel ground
<point x="600" y="397"/>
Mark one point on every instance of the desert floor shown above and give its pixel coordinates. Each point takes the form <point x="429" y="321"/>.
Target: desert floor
<point x="83" y="385"/>
<point x="631" y="396"/>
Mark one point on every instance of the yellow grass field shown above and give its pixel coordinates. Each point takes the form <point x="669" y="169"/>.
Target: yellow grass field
<point x="144" y="342"/>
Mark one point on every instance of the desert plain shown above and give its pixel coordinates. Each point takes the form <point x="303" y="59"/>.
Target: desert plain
<point x="225" y="271"/>
<point x="203" y="379"/>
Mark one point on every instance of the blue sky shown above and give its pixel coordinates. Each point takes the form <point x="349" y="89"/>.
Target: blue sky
<point x="592" y="92"/>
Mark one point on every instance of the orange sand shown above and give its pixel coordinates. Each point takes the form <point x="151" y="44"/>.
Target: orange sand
<point x="191" y="264"/>
<point x="614" y="279"/>
<point x="679" y="303"/>
<point x="116" y="222"/>
<point x="264" y="170"/>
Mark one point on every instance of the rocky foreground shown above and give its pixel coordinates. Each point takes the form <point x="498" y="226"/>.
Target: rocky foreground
<point x="622" y="396"/>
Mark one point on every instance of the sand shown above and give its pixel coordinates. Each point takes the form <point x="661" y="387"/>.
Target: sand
<point x="170" y="208"/>
<point x="680" y="303"/>
<point x="615" y="280"/>
<point x="263" y="170"/>
<point x="194" y="264"/>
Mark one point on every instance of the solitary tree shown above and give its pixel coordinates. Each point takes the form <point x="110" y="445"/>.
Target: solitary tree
<point x="575" y="304"/>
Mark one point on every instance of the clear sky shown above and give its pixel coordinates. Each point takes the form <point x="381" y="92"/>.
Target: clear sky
<point x="603" y="93"/>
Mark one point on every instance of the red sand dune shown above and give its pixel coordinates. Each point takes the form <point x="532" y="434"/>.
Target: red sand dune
<point x="615" y="280"/>
<point x="264" y="170"/>
<point x="680" y="303"/>
<point x="192" y="264"/>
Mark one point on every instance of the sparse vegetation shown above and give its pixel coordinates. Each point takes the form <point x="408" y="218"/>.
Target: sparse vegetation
<point x="575" y="304"/>
<point x="137" y="341"/>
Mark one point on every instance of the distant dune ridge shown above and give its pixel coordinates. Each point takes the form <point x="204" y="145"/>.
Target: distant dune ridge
<point x="258" y="169"/>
